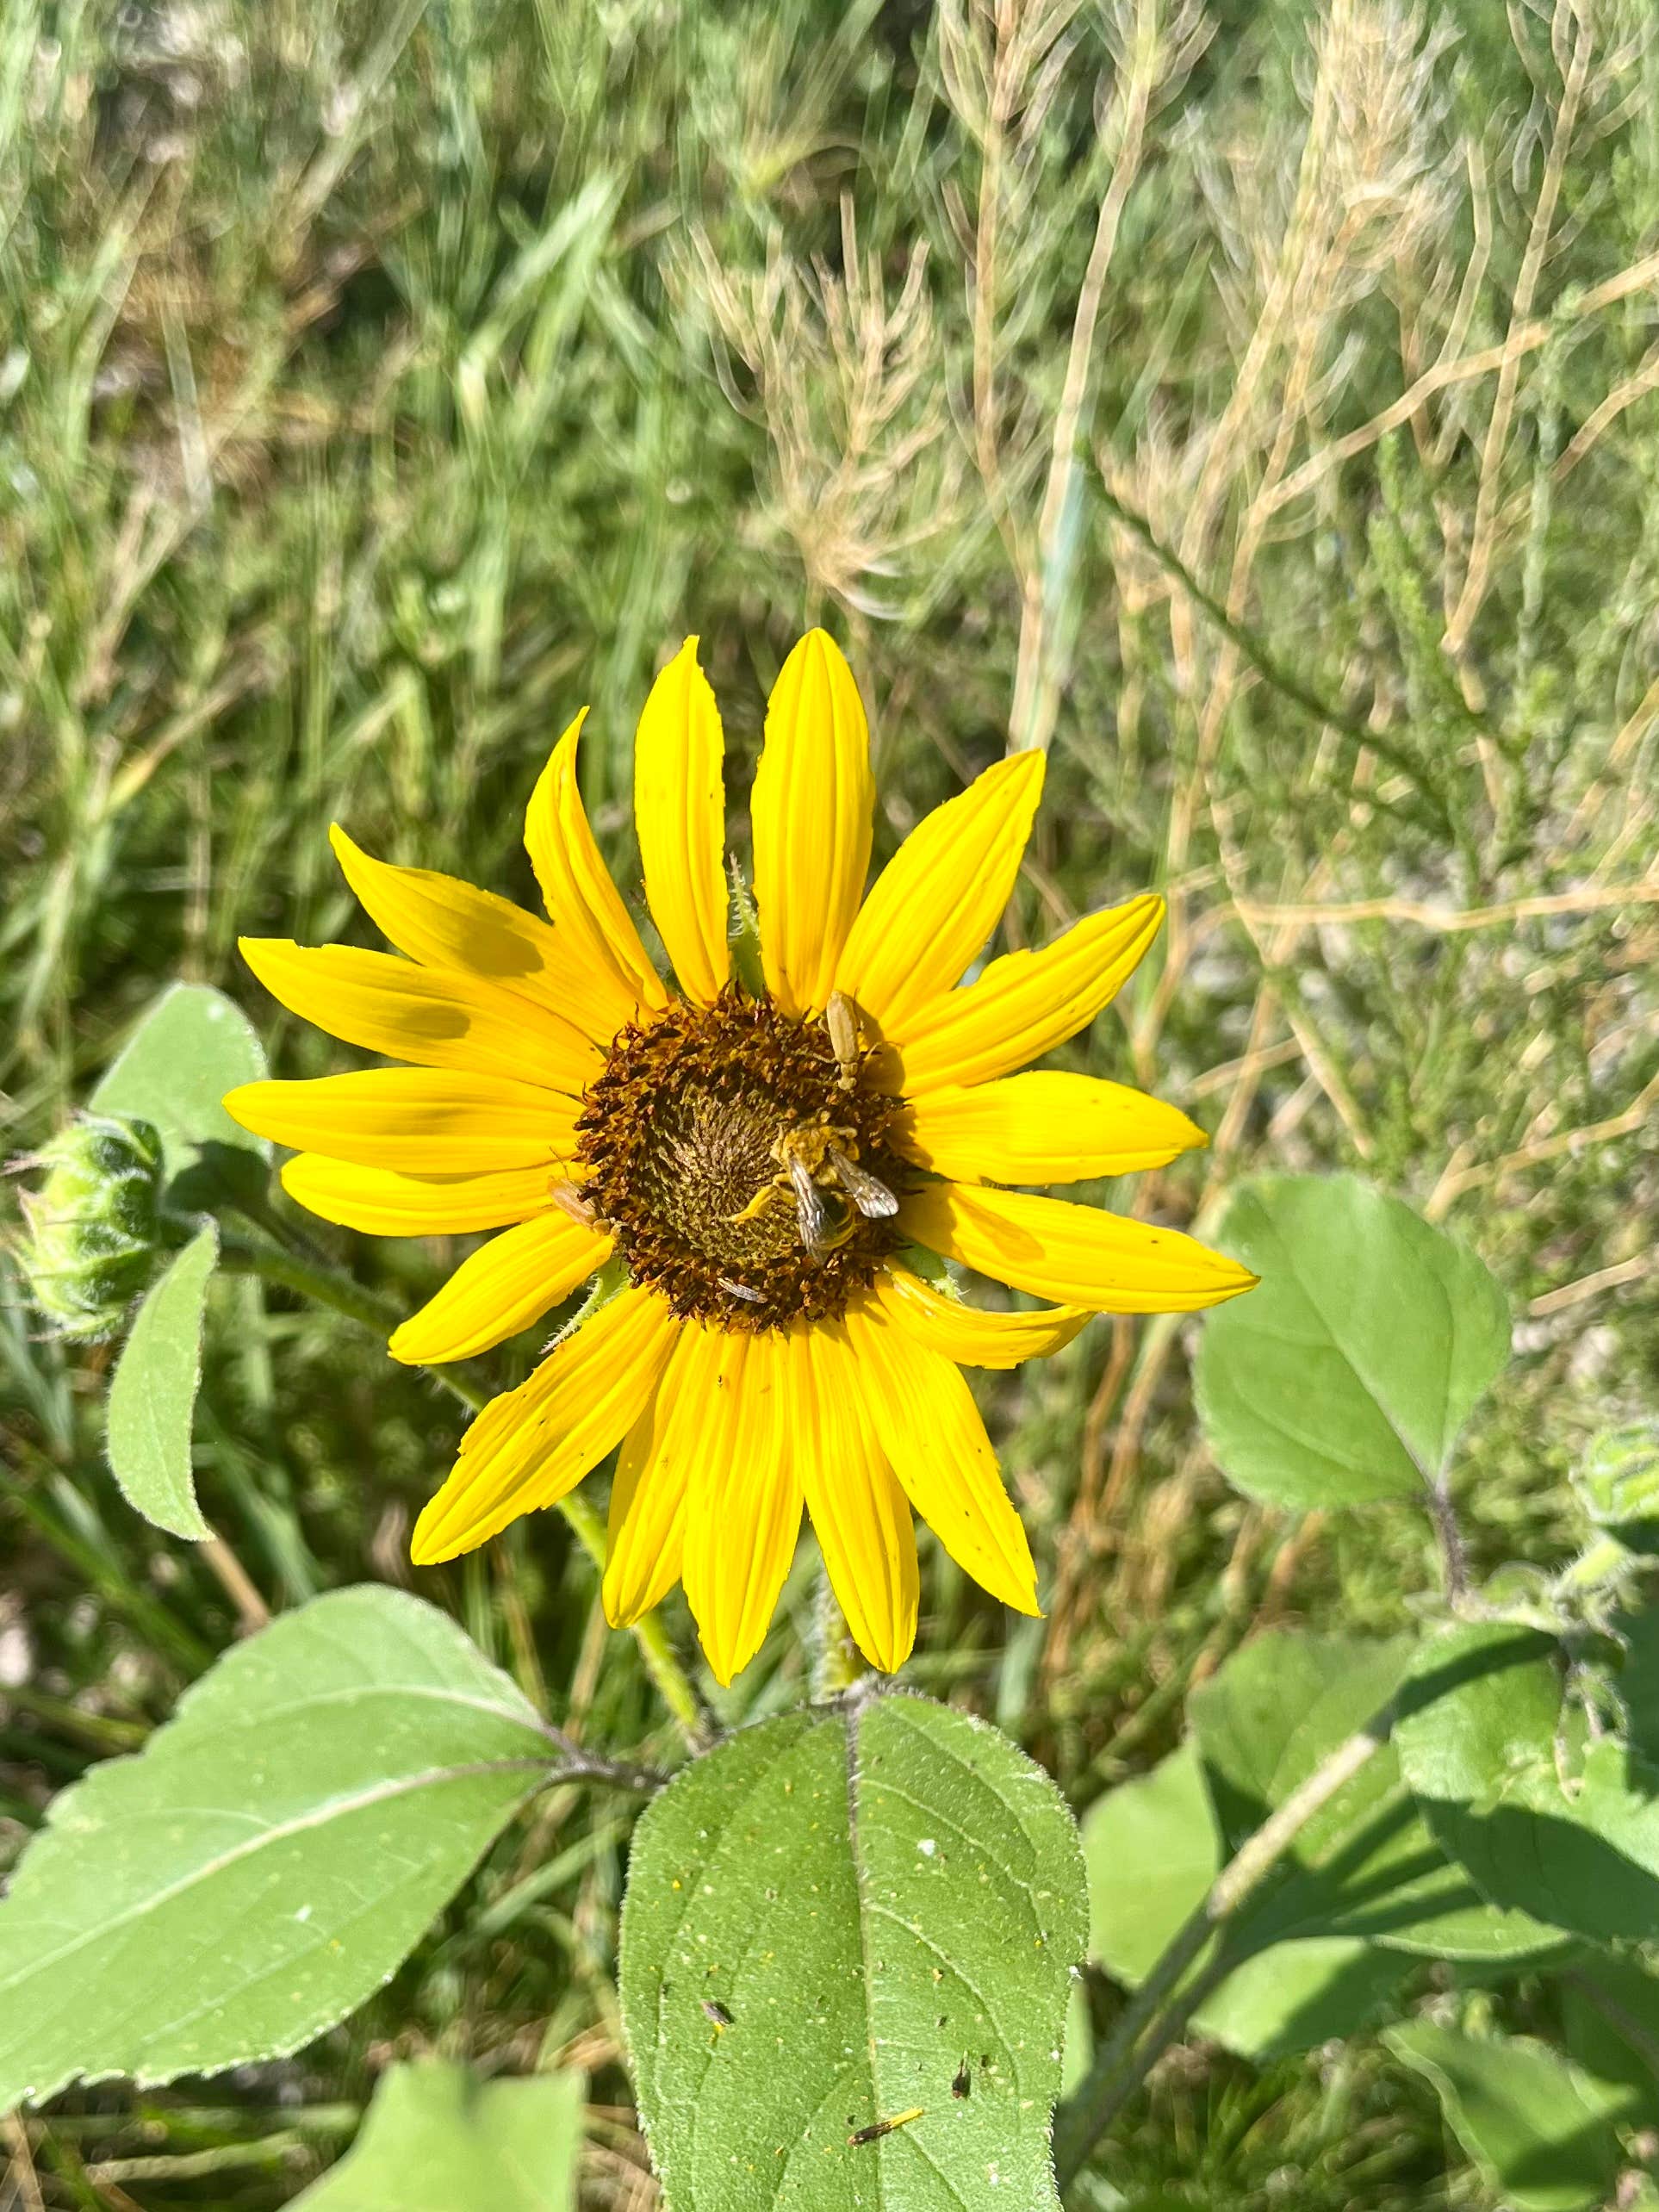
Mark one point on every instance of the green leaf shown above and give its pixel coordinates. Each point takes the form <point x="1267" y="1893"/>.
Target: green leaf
<point x="439" y="2138"/>
<point x="1153" y="1850"/>
<point x="1610" y="2026"/>
<point x="192" y="1047"/>
<point x="1617" y="1484"/>
<point x="152" y="1395"/>
<point x="1328" y="1937"/>
<point x="1546" y="1820"/>
<point x="267" y="1859"/>
<point x="1541" y="2131"/>
<point x="1638" y="1679"/>
<point x="1348" y="1373"/>
<point x="1365" y="1865"/>
<point x="1275" y="1713"/>
<point x="878" y="1897"/>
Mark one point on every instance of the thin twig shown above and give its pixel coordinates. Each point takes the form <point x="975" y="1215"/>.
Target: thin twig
<point x="253" y="1613"/>
<point x="1527" y="339"/>
<point x="1451" y="921"/>
<point x="1633" y="1269"/>
<point x="1483" y="538"/>
<point x="22" y="2175"/>
<point x="1269" y="668"/>
<point x="1454" y="1179"/>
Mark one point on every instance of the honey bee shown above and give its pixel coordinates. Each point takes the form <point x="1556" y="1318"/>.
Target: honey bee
<point x="811" y="1214"/>
<point x="808" y="1155"/>
<point x="816" y="1169"/>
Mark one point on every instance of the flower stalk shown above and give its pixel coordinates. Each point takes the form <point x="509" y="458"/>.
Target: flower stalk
<point x="1158" y="2014"/>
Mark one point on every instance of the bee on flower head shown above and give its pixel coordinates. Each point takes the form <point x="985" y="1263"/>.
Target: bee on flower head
<point x="765" y="1157"/>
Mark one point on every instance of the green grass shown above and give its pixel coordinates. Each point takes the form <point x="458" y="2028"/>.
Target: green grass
<point x="384" y="384"/>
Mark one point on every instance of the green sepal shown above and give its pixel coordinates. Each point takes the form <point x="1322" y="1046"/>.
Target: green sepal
<point x="744" y="934"/>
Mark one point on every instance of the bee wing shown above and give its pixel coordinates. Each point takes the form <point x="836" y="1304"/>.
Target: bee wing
<point x="868" y="1192"/>
<point x="809" y="1205"/>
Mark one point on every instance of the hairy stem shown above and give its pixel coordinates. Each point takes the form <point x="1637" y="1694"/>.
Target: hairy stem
<point x="579" y="1764"/>
<point x="1449" y="1536"/>
<point x="1158" y="2014"/>
<point x="837" y="1662"/>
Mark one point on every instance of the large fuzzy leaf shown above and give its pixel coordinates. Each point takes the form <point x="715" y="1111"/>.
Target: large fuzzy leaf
<point x="845" y="1917"/>
<point x="271" y="1854"/>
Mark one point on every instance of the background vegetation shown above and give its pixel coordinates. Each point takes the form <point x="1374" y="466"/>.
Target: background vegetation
<point x="1253" y="404"/>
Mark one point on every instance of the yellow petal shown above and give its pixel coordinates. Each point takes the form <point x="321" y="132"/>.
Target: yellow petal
<point x="744" y="1511"/>
<point x="1025" y="1003"/>
<point x="679" y="812"/>
<point x="938" y="899"/>
<point x="968" y="1334"/>
<point x="811" y="810"/>
<point x="417" y="1121"/>
<point x="1057" y="1250"/>
<point x="384" y="1203"/>
<point x="860" y="1513"/>
<point x="582" y="902"/>
<point x="528" y="1448"/>
<point x="1044" y="1128"/>
<point x="434" y="1017"/>
<point x="502" y="1288"/>
<point x="929" y="1428"/>
<point x="689" y="1421"/>
<point x="445" y="923"/>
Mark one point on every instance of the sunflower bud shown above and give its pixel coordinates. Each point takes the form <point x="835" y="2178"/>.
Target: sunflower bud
<point x="1618" y="1484"/>
<point x="92" y="1228"/>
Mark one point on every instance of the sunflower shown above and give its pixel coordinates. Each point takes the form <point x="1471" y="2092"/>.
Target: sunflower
<point x="762" y="1166"/>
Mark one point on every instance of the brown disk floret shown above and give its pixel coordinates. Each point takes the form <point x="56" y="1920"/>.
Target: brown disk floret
<point x="689" y="1139"/>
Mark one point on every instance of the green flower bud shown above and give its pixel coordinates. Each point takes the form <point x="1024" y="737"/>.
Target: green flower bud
<point x="92" y="1229"/>
<point x="1617" y="1484"/>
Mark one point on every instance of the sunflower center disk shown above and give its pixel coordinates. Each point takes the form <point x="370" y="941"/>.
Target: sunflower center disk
<point x="745" y="1170"/>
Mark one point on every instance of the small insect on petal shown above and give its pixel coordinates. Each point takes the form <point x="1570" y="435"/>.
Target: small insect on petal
<point x="742" y="1290"/>
<point x="868" y="1192"/>
<point x="569" y="1200"/>
<point x="840" y="1020"/>
<point x="880" y="2128"/>
<point x="714" y="2010"/>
